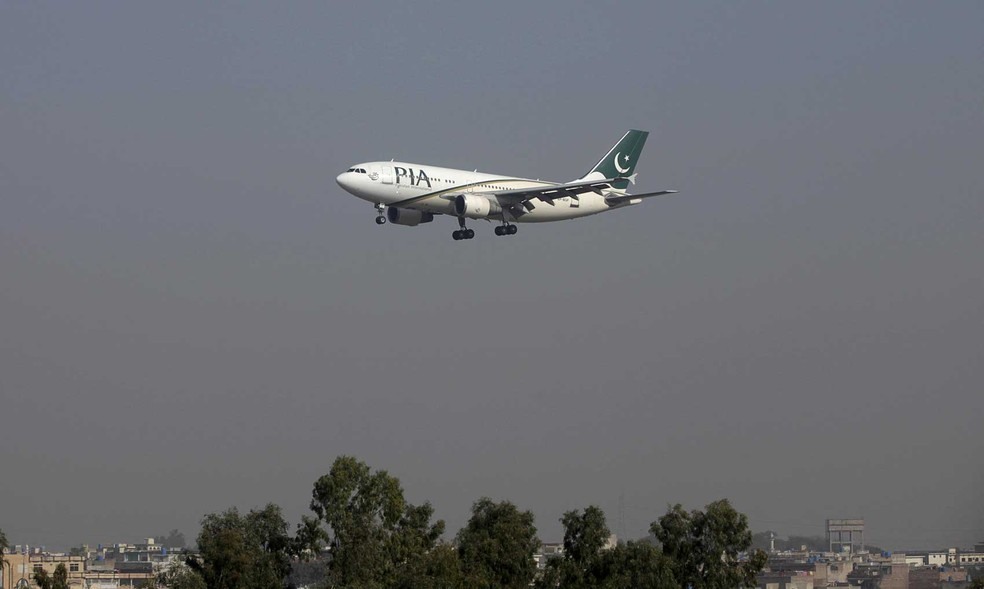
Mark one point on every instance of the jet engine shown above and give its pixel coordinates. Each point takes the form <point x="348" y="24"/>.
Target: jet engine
<point x="409" y="217"/>
<point x="476" y="207"/>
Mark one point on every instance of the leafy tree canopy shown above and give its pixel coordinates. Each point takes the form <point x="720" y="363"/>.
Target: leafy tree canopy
<point x="439" y="568"/>
<point x="59" y="580"/>
<point x="704" y="546"/>
<point x="584" y="536"/>
<point x="374" y="535"/>
<point x="243" y="551"/>
<point x="586" y="564"/>
<point x="173" y="539"/>
<point x="636" y="564"/>
<point x="496" y="546"/>
<point x="4" y="547"/>
<point x="177" y="575"/>
<point x="42" y="579"/>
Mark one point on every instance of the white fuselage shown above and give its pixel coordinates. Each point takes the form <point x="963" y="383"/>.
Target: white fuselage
<point x="386" y="183"/>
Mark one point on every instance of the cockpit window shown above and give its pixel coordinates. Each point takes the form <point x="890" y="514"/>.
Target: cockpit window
<point x="350" y="170"/>
<point x="361" y="170"/>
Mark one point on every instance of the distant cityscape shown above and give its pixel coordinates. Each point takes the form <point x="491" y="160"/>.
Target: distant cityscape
<point x="847" y="562"/>
<point x="843" y="561"/>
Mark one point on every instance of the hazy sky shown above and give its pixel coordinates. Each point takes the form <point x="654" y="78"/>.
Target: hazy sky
<point x="194" y="315"/>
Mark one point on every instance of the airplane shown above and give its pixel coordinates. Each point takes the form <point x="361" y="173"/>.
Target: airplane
<point x="410" y="194"/>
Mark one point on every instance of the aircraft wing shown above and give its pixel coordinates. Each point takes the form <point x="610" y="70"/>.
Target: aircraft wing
<point x="546" y="192"/>
<point x="549" y="193"/>
<point x="620" y="198"/>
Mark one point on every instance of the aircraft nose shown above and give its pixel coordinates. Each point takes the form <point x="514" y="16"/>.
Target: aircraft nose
<point x="344" y="180"/>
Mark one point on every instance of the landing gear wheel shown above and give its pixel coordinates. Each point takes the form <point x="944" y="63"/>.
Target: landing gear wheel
<point x="380" y="220"/>
<point x="499" y="229"/>
<point x="463" y="233"/>
<point x="511" y="229"/>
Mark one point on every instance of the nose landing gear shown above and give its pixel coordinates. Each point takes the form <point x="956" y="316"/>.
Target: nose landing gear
<point x="380" y="217"/>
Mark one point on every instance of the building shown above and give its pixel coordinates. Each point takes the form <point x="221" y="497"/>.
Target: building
<point x="951" y="557"/>
<point x="825" y="571"/>
<point x="845" y="535"/>
<point x="975" y="558"/>
<point x="930" y="558"/>
<point x="21" y="566"/>
<point x="935" y="577"/>
<point x="772" y="580"/>
<point x="547" y="551"/>
<point x="881" y="575"/>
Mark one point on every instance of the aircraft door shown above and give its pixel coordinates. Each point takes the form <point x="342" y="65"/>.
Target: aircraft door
<point x="387" y="175"/>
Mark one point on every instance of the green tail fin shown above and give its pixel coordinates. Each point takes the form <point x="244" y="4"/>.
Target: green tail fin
<point x="621" y="159"/>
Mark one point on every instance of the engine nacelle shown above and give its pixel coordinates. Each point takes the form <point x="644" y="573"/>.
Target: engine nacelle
<point x="476" y="207"/>
<point x="409" y="217"/>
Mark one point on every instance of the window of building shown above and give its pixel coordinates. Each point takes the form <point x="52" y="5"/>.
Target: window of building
<point x="74" y="567"/>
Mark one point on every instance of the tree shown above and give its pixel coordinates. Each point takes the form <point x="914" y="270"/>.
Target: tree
<point x="173" y="539"/>
<point x="636" y="564"/>
<point x="42" y="579"/>
<point x="375" y="537"/>
<point x="60" y="579"/>
<point x="586" y="564"/>
<point x="178" y="575"/>
<point x="705" y="546"/>
<point x="584" y="537"/>
<point x="584" y="534"/>
<point x="307" y="572"/>
<point x="814" y="543"/>
<point x="439" y="568"/>
<point x="4" y="547"/>
<point x="496" y="546"/>
<point x="243" y="551"/>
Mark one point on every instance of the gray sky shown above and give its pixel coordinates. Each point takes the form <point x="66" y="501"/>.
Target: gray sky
<point x="195" y="316"/>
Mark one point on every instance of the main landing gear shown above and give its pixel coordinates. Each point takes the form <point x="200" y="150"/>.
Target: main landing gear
<point x="507" y="229"/>
<point x="380" y="218"/>
<point x="463" y="233"/>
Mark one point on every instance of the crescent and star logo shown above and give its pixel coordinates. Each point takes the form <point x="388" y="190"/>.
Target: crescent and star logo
<point x="620" y="169"/>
